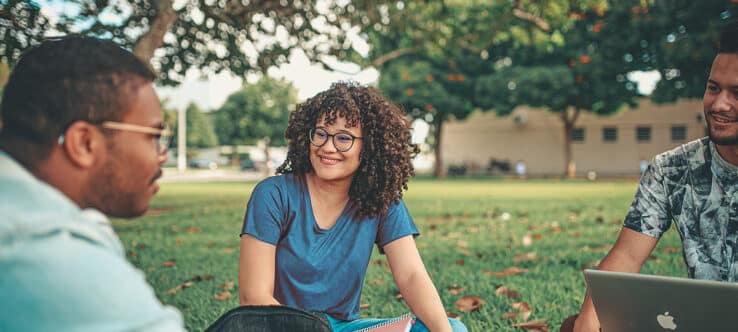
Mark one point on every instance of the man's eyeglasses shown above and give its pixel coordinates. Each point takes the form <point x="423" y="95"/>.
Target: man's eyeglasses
<point x="342" y="141"/>
<point x="163" y="135"/>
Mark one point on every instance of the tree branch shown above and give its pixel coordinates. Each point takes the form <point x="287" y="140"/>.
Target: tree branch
<point x="163" y="20"/>
<point x="392" y="55"/>
<point x="541" y="23"/>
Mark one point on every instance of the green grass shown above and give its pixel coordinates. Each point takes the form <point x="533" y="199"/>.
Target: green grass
<point x="459" y="219"/>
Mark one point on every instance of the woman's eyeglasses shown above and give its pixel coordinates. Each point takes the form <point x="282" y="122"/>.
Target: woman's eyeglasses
<point x="342" y="141"/>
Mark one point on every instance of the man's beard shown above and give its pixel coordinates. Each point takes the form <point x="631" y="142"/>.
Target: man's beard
<point x="729" y="140"/>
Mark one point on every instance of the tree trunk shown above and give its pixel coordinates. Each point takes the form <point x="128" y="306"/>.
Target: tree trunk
<point x="162" y="21"/>
<point x="437" y="164"/>
<point x="569" y="120"/>
<point x="235" y="162"/>
<point x="266" y="169"/>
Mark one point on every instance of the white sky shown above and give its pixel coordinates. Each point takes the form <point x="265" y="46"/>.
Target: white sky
<point x="307" y="78"/>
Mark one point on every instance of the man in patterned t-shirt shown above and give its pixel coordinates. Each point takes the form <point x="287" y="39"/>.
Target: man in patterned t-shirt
<point x="695" y="185"/>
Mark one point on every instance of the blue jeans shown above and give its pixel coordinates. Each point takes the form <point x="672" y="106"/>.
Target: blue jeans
<point x="352" y="325"/>
<point x="270" y="319"/>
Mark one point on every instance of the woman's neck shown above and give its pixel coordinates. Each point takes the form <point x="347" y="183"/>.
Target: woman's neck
<point x="328" y="191"/>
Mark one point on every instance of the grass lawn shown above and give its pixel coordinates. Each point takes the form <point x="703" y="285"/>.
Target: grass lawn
<point x="470" y="228"/>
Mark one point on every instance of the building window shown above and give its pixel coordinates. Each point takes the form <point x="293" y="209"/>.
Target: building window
<point x="678" y="133"/>
<point x="577" y="135"/>
<point x="610" y="134"/>
<point x="643" y="134"/>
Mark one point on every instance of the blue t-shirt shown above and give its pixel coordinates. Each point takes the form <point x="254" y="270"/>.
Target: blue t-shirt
<point x="318" y="269"/>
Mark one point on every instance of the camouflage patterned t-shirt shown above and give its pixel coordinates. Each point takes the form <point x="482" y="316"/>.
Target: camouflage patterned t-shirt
<point x="694" y="186"/>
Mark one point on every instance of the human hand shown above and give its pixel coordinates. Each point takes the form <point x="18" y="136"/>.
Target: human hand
<point x="584" y="323"/>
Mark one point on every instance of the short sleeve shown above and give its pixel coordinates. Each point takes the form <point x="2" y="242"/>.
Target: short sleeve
<point x="395" y="224"/>
<point x="264" y="212"/>
<point x="649" y="212"/>
<point x="69" y="284"/>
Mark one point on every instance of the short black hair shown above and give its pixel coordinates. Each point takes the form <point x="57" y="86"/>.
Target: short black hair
<point x="729" y="38"/>
<point x="64" y="80"/>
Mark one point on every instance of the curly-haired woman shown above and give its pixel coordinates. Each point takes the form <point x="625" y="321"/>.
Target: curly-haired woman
<point x="308" y="233"/>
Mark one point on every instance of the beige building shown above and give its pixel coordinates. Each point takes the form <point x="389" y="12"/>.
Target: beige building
<point x="609" y="145"/>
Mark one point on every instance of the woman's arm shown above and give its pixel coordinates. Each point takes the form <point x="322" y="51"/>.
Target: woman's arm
<point x="415" y="284"/>
<point x="256" y="266"/>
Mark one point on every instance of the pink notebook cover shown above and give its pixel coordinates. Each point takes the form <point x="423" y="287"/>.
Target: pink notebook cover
<point x="399" y="324"/>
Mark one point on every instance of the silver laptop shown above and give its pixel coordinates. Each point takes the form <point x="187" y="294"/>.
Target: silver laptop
<point x="629" y="302"/>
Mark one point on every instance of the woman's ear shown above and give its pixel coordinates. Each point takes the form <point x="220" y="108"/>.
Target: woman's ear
<point x="82" y="143"/>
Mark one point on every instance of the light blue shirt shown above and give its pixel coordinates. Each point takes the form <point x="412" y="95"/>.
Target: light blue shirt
<point x="319" y="269"/>
<point x="63" y="268"/>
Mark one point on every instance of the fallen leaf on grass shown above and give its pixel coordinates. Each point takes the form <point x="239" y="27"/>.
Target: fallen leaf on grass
<point x="208" y="277"/>
<point x="603" y="247"/>
<point x="179" y="288"/>
<point x="537" y="236"/>
<point x="515" y="314"/>
<point x="456" y="290"/>
<point x="534" y="325"/>
<point x="671" y="250"/>
<point x="527" y="241"/>
<point x="193" y="230"/>
<point x="378" y="282"/>
<point x="509" y="315"/>
<point x="170" y="263"/>
<point x="591" y="265"/>
<point x="460" y="262"/>
<point x="462" y="244"/>
<point x="473" y="229"/>
<point x="450" y="314"/>
<point x="228" y="285"/>
<point x="502" y="290"/>
<point x="178" y="242"/>
<point x="175" y="229"/>
<point x="523" y="308"/>
<point x="509" y="271"/>
<point x="228" y="250"/>
<point x="469" y="303"/>
<point x="363" y="306"/>
<point x="531" y="256"/>
<point x="222" y="296"/>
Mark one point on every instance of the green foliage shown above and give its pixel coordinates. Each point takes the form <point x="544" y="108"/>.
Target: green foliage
<point x="470" y="228"/>
<point x="200" y="132"/>
<point x="425" y="90"/>
<point x="257" y="111"/>
<point x="199" y="126"/>
<point x="213" y="36"/>
<point x="681" y="40"/>
<point x="21" y="26"/>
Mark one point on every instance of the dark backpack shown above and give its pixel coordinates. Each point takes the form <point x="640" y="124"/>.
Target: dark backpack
<point x="270" y="319"/>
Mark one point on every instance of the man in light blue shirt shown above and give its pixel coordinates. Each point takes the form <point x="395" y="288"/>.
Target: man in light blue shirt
<point x="82" y="138"/>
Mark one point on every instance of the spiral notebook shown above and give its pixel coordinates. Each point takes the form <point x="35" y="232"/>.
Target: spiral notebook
<point x="399" y="324"/>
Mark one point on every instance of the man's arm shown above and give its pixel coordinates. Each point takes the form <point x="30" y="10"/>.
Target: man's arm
<point x="256" y="269"/>
<point x="627" y="255"/>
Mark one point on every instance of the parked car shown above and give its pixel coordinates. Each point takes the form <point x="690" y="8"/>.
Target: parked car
<point x="203" y="163"/>
<point x="248" y="164"/>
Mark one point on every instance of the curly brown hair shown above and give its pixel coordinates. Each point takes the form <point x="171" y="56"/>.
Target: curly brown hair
<point x="386" y="157"/>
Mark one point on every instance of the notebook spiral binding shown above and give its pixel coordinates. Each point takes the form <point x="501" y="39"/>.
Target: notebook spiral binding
<point x="389" y="322"/>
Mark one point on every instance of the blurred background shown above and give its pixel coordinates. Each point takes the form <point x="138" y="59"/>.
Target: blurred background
<point x="494" y="88"/>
